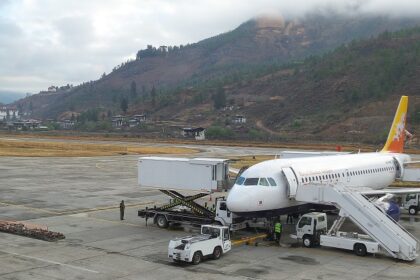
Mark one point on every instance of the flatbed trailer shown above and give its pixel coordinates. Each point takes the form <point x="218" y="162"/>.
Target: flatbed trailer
<point x="163" y="218"/>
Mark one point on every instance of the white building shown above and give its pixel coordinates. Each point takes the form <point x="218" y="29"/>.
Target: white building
<point x="9" y="113"/>
<point x="239" y="119"/>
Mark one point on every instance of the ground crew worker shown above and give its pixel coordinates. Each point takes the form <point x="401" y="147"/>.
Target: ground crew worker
<point x="277" y="231"/>
<point x="122" y="209"/>
<point x="289" y="219"/>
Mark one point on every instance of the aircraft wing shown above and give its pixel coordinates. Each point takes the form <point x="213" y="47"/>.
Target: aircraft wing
<point x="301" y="154"/>
<point x="389" y="191"/>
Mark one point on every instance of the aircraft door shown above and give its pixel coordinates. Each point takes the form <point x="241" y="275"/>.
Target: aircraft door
<point x="348" y="175"/>
<point x="398" y="169"/>
<point x="292" y="182"/>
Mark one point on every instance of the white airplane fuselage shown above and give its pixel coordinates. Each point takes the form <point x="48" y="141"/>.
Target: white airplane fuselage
<point x="357" y="171"/>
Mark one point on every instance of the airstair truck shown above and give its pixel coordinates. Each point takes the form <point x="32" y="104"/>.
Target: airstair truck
<point x="312" y="230"/>
<point x="185" y="180"/>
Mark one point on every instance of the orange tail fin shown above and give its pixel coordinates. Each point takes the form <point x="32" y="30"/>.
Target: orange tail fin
<point x="396" y="136"/>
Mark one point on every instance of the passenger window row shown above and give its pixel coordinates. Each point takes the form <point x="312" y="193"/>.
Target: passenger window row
<point x="332" y="176"/>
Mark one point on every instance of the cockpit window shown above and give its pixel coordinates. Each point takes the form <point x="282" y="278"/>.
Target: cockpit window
<point x="272" y="182"/>
<point x="240" y="180"/>
<point x="263" y="182"/>
<point x="251" y="182"/>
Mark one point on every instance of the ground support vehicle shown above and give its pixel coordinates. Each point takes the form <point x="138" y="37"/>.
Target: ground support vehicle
<point x="213" y="241"/>
<point x="411" y="202"/>
<point x="192" y="213"/>
<point x="312" y="230"/>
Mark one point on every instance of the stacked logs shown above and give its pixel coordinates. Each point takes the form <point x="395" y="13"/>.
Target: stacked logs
<point x="33" y="232"/>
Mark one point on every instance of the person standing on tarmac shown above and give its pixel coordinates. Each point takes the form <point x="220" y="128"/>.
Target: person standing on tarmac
<point x="122" y="209"/>
<point x="277" y="231"/>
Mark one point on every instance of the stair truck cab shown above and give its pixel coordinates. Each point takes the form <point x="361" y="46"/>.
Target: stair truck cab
<point x="213" y="241"/>
<point x="411" y="203"/>
<point x="312" y="230"/>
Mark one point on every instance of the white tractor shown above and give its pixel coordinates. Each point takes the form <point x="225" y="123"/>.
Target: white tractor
<point x="213" y="241"/>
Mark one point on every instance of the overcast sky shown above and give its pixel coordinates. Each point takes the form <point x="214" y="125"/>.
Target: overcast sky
<point x="55" y="42"/>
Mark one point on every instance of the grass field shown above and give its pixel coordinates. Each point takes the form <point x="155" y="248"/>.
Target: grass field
<point x="22" y="148"/>
<point x="238" y="162"/>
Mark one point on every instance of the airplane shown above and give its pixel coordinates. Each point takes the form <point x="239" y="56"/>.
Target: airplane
<point x="262" y="189"/>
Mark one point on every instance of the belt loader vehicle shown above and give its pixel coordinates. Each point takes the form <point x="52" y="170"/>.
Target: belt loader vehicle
<point x="213" y="241"/>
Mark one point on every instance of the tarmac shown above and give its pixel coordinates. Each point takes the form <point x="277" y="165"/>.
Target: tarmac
<point x="79" y="197"/>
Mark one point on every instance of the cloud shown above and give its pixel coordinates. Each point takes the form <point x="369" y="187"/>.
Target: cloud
<point x="49" y="42"/>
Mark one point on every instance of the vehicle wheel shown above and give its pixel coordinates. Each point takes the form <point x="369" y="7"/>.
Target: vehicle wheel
<point x="412" y="210"/>
<point x="307" y="241"/>
<point x="217" y="253"/>
<point x="161" y="221"/>
<point x="197" y="257"/>
<point x="360" y="249"/>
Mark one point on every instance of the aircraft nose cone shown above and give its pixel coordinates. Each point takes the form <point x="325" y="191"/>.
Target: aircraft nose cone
<point x="238" y="200"/>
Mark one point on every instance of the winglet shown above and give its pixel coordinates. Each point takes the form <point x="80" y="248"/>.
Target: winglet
<point x="396" y="137"/>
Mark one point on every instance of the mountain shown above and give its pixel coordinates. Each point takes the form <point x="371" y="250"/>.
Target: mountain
<point x="319" y="77"/>
<point x="7" y="97"/>
<point x="258" y="42"/>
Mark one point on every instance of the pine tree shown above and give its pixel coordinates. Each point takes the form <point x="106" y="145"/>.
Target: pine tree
<point x="133" y="90"/>
<point x="153" y="95"/>
<point x="124" y="104"/>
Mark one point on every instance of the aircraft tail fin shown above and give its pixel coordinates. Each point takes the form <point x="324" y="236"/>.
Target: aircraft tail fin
<point x="396" y="136"/>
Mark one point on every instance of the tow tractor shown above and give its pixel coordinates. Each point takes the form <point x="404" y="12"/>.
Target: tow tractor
<point x="312" y="230"/>
<point x="213" y="241"/>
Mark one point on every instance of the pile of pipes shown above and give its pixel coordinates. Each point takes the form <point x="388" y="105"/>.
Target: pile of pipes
<point x="30" y="231"/>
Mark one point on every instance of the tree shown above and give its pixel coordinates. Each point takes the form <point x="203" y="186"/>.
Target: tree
<point x="219" y="98"/>
<point x="153" y="95"/>
<point x="133" y="90"/>
<point x="124" y="104"/>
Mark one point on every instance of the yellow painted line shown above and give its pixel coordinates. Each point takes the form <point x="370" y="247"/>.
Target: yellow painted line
<point x="115" y="222"/>
<point x="30" y="208"/>
<point x="75" y="211"/>
<point x="97" y="209"/>
<point x="248" y="239"/>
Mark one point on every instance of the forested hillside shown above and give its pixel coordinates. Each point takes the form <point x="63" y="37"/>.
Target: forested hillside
<point x="319" y="77"/>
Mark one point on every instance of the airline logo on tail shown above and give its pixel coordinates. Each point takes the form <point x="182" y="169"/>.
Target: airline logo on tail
<point x="396" y="137"/>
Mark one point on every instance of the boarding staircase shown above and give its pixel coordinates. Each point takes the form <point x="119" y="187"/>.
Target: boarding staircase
<point x="393" y="238"/>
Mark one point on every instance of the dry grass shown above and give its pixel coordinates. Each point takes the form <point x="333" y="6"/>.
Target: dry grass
<point x="62" y="149"/>
<point x="249" y="160"/>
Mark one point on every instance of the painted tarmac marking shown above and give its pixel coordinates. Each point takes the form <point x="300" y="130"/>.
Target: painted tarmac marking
<point x="52" y="262"/>
<point x="30" y="208"/>
<point x="70" y="212"/>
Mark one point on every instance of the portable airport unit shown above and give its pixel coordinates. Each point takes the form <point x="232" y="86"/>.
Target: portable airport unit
<point x="197" y="174"/>
<point x="198" y="177"/>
